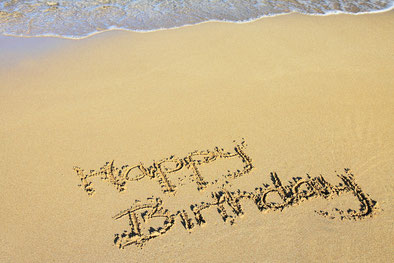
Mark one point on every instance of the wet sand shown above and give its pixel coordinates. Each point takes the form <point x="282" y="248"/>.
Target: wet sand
<point x="308" y="95"/>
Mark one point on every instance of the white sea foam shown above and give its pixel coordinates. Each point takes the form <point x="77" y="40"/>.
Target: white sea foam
<point x="81" y="18"/>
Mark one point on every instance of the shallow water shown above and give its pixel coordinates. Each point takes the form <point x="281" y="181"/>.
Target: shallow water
<point x="80" y="18"/>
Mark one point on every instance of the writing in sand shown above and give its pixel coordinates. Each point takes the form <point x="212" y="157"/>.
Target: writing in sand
<point x="228" y="203"/>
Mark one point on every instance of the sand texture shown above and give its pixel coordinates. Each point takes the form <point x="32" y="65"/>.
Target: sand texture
<point x="270" y="141"/>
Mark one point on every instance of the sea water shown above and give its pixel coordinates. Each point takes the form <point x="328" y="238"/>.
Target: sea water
<point x="81" y="18"/>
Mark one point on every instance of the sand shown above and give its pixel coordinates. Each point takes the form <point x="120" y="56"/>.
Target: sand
<point x="293" y="95"/>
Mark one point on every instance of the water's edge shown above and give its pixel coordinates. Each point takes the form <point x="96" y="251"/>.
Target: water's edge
<point x="59" y="19"/>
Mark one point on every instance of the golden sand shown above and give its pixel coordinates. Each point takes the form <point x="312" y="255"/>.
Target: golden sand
<point x="298" y="94"/>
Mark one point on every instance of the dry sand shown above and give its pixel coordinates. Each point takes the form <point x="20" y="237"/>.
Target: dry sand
<point x="310" y="95"/>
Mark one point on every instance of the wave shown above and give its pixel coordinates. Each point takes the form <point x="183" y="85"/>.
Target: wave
<point x="81" y="18"/>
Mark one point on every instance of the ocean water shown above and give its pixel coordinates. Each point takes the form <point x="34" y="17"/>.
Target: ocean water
<point x="81" y="18"/>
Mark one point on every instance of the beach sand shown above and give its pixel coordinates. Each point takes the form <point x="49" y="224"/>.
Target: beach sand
<point x="309" y="95"/>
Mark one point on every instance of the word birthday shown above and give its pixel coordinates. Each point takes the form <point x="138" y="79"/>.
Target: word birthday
<point x="227" y="203"/>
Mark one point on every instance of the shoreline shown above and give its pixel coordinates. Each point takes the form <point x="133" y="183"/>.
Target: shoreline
<point x="251" y="20"/>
